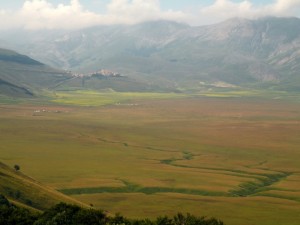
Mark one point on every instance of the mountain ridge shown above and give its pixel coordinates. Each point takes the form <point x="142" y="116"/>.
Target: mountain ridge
<point x="240" y="52"/>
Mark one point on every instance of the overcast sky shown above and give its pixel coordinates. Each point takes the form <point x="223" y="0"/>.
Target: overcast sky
<point x="73" y="14"/>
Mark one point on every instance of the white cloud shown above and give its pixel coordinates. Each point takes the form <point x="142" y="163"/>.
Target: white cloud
<point x="221" y="10"/>
<point x="129" y="12"/>
<point x="224" y="9"/>
<point x="286" y="7"/>
<point x="41" y="14"/>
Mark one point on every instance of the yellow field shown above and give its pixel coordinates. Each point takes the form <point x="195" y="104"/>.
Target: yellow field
<point x="236" y="159"/>
<point x="245" y="211"/>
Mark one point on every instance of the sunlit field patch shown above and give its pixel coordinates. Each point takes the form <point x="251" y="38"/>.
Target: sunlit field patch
<point x="93" y="98"/>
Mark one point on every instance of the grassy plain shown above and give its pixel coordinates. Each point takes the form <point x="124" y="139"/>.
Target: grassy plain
<point x="233" y="158"/>
<point x="94" y="98"/>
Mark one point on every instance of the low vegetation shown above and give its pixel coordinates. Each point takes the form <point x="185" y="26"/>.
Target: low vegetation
<point x="74" y="215"/>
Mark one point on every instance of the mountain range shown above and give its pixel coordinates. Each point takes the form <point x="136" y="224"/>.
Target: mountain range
<point x="165" y="55"/>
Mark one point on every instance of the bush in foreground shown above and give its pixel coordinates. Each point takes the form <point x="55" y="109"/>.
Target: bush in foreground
<point x="65" y="214"/>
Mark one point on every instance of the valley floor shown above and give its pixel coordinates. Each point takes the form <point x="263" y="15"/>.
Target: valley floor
<point x="236" y="159"/>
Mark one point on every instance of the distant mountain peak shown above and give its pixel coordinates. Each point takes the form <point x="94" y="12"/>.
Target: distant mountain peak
<point x="237" y="51"/>
<point x="236" y="21"/>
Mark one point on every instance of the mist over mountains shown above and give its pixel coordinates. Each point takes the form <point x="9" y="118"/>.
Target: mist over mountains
<point x="263" y="53"/>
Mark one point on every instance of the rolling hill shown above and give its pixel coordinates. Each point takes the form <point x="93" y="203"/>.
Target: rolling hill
<point x="262" y="53"/>
<point x="25" y="191"/>
<point x="22" y="76"/>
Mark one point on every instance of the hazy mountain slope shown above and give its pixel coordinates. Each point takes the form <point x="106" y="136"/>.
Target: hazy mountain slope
<point x="23" y="76"/>
<point x="20" y="188"/>
<point x="13" y="90"/>
<point x="238" y="51"/>
<point x="11" y="56"/>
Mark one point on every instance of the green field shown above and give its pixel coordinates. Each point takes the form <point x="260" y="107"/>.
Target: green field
<point x="236" y="159"/>
<point x="94" y="98"/>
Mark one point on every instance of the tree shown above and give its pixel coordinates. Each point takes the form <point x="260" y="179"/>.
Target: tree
<point x="17" y="167"/>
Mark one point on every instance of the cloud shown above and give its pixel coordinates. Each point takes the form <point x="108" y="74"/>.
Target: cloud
<point x="221" y="10"/>
<point x="285" y="7"/>
<point x="224" y="9"/>
<point x="41" y="14"/>
<point x="124" y="11"/>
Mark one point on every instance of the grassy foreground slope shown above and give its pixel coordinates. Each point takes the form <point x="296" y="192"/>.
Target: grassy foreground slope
<point x="25" y="191"/>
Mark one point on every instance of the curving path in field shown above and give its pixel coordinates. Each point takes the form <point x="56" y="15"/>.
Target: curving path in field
<point x="263" y="182"/>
